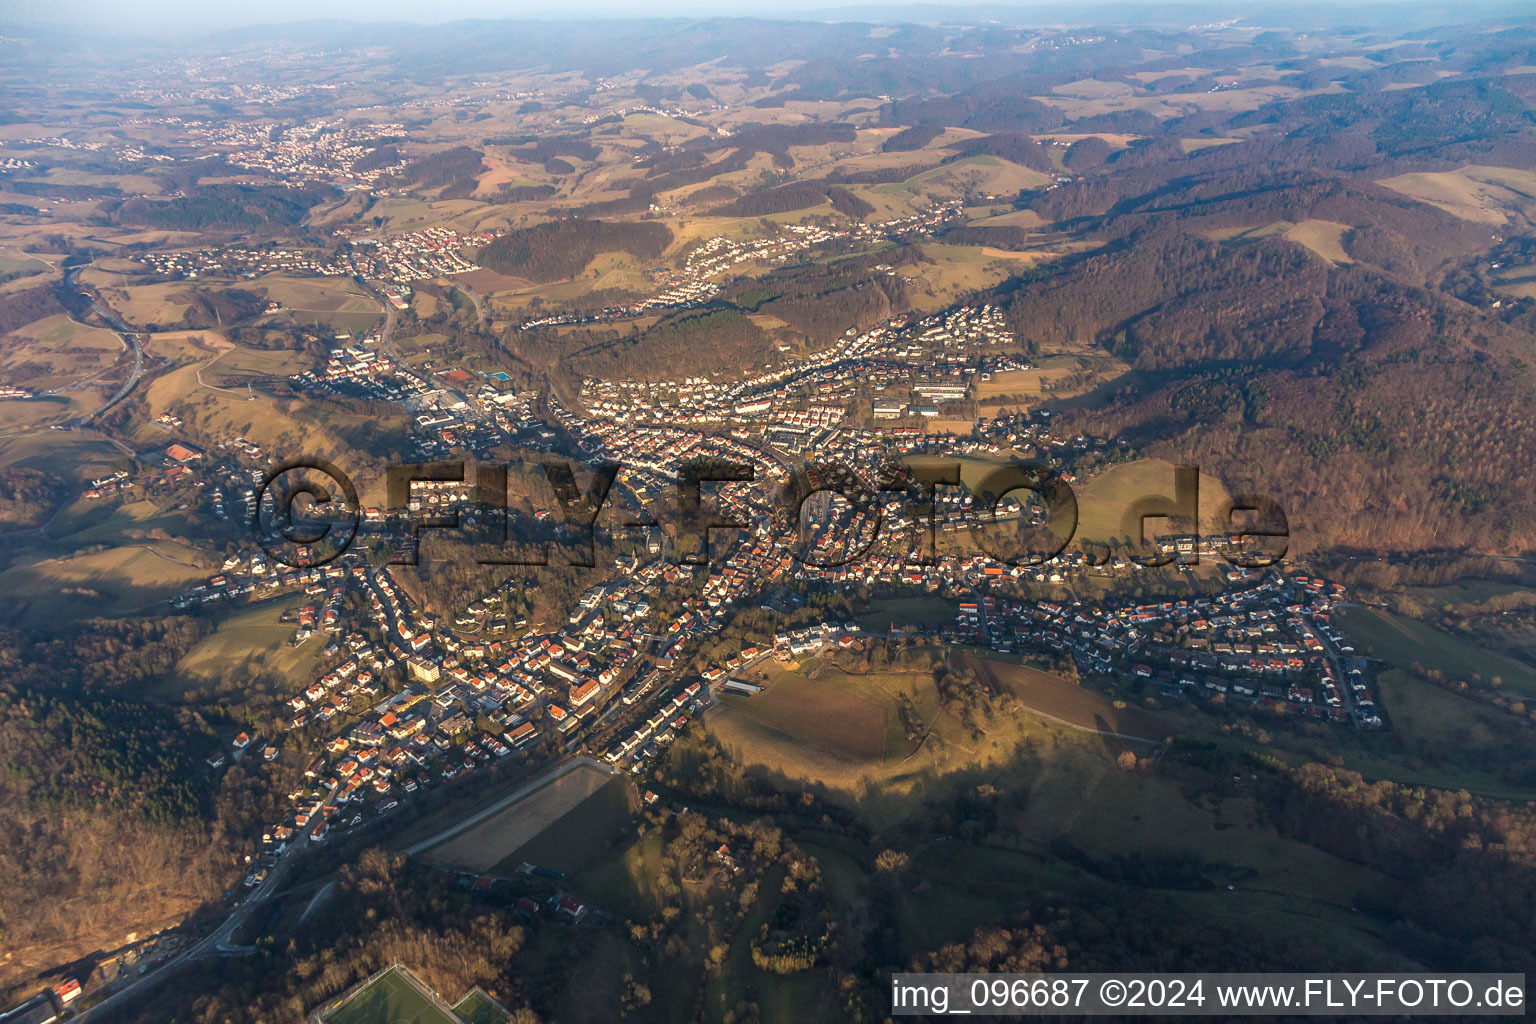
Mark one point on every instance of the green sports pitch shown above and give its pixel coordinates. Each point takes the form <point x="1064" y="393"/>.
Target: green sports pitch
<point x="479" y="1008"/>
<point x="391" y="998"/>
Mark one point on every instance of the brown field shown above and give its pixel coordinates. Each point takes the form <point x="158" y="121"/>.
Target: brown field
<point x="1102" y="503"/>
<point x="1092" y="89"/>
<point x="1049" y="379"/>
<point x="115" y="581"/>
<point x="483" y="846"/>
<point x="318" y="294"/>
<point x="1014" y="218"/>
<point x="837" y="722"/>
<point x="1061" y="700"/>
<point x="248" y="643"/>
<point x="949" y="425"/>
<point x="1486" y="195"/>
<point x="139" y="305"/>
<point x="952" y="270"/>
<point x="19" y="416"/>
<point x="1517" y="281"/>
<point x="1192" y="145"/>
<point x="56" y="351"/>
<point x="1324" y="237"/>
<point x="1119" y="140"/>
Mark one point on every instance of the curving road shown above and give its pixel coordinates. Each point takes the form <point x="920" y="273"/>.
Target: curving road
<point x="129" y="336"/>
<point x="218" y="943"/>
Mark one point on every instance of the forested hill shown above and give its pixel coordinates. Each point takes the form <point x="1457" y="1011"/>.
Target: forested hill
<point x="562" y="248"/>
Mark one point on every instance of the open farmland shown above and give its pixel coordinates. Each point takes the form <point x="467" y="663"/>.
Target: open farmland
<point x="1103" y="502"/>
<point x="490" y="841"/>
<point x="1486" y="195"/>
<point x="57" y="352"/>
<point x="1063" y="701"/>
<point x="120" y="580"/>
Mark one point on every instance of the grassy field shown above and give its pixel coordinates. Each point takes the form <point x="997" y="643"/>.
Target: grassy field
<point x="27" y="415"/>
<point x="836" y="716"/>
<point x="164" y="304"/>
<point x="56" y="351"/>
<point x="1456" y="740"/>
<point x="1063" y="701"/>
<point x="77" y="456"/>
<point x="1324" y="237"/>
<point x="1046" y="379"/>
<point x="626" y="883"/>
<point x="953" y="270"/>
<point x="580" y="837"/>
<point x="392" y="998"/>
<point x="489" y="843"/>
<point x="1405" y="642"/>
<point x="921" y="609"/>
<point x="247" y="643"/>
<point x="1194" y="145"/>
<point x="842" y="733"/>
<point x="1104" y="501"/>
<point x="478" y="1008"/>
<point x="115" y="581"/>
<point x="1486" y="195"/>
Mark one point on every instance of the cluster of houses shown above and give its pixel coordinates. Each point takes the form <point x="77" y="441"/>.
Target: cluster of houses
<point x="414" y="255"/>
<point x="236" y="260"/>
<point x="697" y="281"/>
<point x="925" y="363"/>
<point x="317" y="150"/>
<point x="1268" y="644"/>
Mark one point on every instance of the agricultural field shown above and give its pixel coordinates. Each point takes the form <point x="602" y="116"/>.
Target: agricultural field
<point x="57" y="352"/>
<point x="582" y="836"/>
<point x="1104" y="501"/>
<point x="1406" y="642"/>
<point x="495" y="838"/>
<point x="116" y="581"/>
<point x="1486" y="195"/>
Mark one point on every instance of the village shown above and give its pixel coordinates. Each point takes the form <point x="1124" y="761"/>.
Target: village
<point x="697" y="283"/>
<point x="410" y="702"/>
<point x="909" y="367"/>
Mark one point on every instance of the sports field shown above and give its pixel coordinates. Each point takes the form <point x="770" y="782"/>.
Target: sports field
<point x="394" y="997"/>
<point x="479" y="1008"/>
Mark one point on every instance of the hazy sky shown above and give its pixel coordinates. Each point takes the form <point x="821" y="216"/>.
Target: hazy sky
<point x="160" y="17"/>
<point x="156" y="15"/>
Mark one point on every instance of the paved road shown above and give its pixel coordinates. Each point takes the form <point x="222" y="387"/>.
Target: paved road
<point x="218" y="942"/>
<point x="129" y="336"/>
<point x="474" y="297"/>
